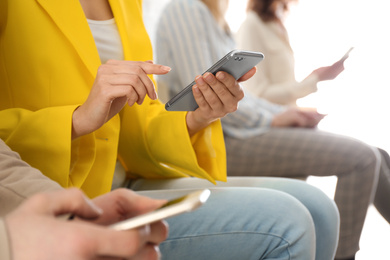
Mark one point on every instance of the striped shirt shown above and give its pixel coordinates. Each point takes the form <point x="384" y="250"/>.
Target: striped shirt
<point x="189" y="40"/>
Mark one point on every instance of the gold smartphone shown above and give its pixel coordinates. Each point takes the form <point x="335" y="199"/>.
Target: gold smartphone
<point x="172" y="208"/>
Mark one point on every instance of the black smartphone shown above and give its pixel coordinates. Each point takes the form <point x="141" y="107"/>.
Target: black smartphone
<point x="236" y="63"/>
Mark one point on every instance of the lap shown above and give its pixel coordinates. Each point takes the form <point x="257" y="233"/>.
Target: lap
<point x="241" y="223"/>
<point x="181" y="185"/>
<point x="296" y="152"/>
<point x="245" y="202"/>
<point x="311" y="197"/>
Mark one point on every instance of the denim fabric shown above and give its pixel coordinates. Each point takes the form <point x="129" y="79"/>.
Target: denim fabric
<point x="274" y="218"/>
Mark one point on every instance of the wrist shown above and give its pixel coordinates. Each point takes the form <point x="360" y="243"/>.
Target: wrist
<point x="194" y="123"/>
<point x="76" y="124"/>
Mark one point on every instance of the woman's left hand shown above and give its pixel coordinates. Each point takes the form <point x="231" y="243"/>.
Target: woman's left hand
<point x="216" y="97"/>
<point x="330" y="72"/>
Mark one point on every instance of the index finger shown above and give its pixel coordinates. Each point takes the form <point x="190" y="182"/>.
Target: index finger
<point x="148" y="66"/>
<point x="151" y="68"/>
<point x="65" y="201"/>
<point x="123" y="203"/>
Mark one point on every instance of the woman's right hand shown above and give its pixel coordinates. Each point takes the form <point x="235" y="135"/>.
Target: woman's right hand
<point x="116" y="83"/>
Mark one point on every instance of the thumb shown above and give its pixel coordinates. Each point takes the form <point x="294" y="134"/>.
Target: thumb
<point x="248" y="75"/>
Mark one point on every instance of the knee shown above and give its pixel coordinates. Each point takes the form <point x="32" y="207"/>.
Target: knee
<point x="274" y="212"/>
<point x="368" y="165"/>
<point x="290" y="221"/>
<point x="267" y="221"/>
<point x="323" y="209"/>
<point x="370" y="157"/>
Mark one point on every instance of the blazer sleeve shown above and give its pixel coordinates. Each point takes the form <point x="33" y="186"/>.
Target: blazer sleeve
<point x="160" y="146"/>
<point x="201" y="155"/>
<point x="44" y="136"/>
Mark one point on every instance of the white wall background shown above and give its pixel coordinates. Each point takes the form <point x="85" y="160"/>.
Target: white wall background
<point x="357" y="102"/>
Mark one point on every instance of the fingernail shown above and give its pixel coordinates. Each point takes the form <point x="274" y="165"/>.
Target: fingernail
<point x="144" y="230"/>
<point x="209" y="77"/>
<point x="220" y="75"/>
<point x="200" y="81"/>
<point x="196" y="89"/>
<point x="166" y="68"/>
<point x="94" y="207"/>
<point x="157" y="251"/>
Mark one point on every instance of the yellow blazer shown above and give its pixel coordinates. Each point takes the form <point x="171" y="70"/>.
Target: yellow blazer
<point x="48" y="63"/>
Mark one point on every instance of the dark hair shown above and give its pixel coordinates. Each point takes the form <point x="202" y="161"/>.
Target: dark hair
<point x="266" y="9"/>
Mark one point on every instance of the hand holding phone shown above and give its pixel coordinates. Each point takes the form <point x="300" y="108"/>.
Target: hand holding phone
<point x="331" y="72"/>
<point x="172" y="208"/>
<point x="237" y="63"/>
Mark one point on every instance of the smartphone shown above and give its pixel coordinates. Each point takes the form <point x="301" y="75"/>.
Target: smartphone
<point x="346" y="55"/>
<point x="236" y="63"/>
<point x="172" y="208"/>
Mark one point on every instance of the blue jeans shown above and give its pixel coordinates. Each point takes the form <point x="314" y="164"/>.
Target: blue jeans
<point x="250" y="218"/>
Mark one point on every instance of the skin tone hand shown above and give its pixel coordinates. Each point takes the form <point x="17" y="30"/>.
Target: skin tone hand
<point x="330" y="72"/>
<point x="116" y="83"/>
<point x="121" y="204"/>
<point x="36" y="233"/>
<point x="295" y="117"/>
<point x="216" y="96"/>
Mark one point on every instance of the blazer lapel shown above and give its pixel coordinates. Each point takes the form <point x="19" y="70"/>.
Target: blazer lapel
<point x="68" y="15"/>
<point x="128" y="17"/>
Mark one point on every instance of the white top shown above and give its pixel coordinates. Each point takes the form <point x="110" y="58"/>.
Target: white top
<point x="109" y="45"/>
<point x="107" y="39"/>
<point x="275" y="77"/>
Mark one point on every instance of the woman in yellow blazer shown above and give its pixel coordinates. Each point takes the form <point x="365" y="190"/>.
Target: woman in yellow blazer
<point x="48" y="65"/>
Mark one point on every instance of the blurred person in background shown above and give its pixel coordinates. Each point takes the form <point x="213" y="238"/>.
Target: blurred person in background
<point x="264" y="30"/>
